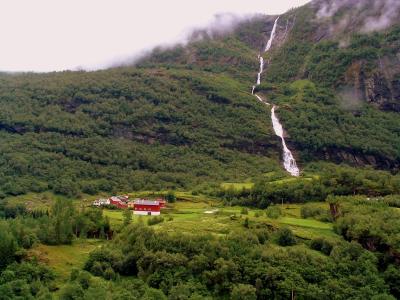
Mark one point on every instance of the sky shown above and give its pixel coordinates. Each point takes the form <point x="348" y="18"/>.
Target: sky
<point x="56" y="35"/>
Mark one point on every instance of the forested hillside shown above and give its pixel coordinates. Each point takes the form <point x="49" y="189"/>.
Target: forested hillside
<point x="347" y="110"/>
<point x="129" y="129"/>
<point x="184" y="116"/>
<point x="181" y="135"/>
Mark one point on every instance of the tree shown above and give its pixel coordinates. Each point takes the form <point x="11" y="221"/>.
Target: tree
<point x="171" y="197"/>
<point x="71" y="291"/>
<point x="243" y="292"/>
<point x="286" y="237"/>
<point x="8" y="246"/>
<point x="127" y="213"/>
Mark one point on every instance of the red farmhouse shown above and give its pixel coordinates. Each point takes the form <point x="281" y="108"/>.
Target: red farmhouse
<point x="147" y="207"/>
<point x="118" y="203"/>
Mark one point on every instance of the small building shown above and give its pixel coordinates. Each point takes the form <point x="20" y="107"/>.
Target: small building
<point x="124" y="198"/>
<point x="118" y="203"/>
<point x="146" y="207"/>
<point x="101" y="202"/>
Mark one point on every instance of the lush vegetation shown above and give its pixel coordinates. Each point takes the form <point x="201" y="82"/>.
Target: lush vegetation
<point x="234" y="252"/>
<point x="320" y="125"/>
<point x="334" y="180"/>
<point x="182" y="120"/>
<point x="242" y="266"/>
<point x="128" y="129"/>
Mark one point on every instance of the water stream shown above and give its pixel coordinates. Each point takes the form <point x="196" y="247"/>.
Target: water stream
<point x="288" y="160"/>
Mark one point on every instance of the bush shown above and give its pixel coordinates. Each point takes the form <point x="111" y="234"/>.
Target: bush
<point x="286" y="237"/>
<point x="244" y="211"/>
<point x="171" y="197"/>
<point x="243" y="292"/>
<point x="262" y="235"/>
<point x="310" y="211"/>
<point x="155" y="220"/>
<point x="109" y="274"/>
<point x="71" y="291"/>
<point x="273" y="212"/>
<point x="321" y="245"/>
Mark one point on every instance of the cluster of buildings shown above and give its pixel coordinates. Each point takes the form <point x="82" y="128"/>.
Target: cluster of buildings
<point x="139" y="206"/>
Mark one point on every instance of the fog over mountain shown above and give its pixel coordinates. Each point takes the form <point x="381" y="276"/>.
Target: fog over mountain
<point x="45" y="35"/>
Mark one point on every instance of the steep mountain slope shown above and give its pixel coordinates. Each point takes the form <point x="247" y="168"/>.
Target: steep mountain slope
<point x="185" y="116"/>
<point x="348" y="109"/>
<point x="127" y="129"/>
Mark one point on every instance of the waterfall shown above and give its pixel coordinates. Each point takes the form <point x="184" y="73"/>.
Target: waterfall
<point x="261" y="70"/>
<point x="272" y="36"/>
<point x="288" y="160"/>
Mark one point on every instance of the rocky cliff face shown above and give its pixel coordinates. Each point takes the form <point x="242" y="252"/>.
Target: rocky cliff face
<point x="374" y="80"/>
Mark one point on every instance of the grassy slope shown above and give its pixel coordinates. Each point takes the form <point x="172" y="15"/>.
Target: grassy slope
<point x="191" y="217"/>
<point x="64" y="258"/>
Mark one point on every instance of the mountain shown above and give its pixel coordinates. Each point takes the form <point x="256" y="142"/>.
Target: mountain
<point x="184" y="116"/>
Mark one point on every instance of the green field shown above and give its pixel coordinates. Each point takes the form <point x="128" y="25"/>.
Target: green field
<point x="64" y="258"/>
<point x="237" y="186"/>
<point x="214" y="218"/>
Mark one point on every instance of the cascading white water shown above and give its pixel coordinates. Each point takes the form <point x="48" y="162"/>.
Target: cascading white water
<point x="288" y="160"/>
<point x="272" y="36"/>
<point x="261" y="70"/>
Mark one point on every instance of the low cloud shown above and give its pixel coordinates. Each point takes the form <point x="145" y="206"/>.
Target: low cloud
<point x="368" y="15"/>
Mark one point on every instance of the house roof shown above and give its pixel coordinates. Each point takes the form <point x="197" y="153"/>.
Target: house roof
<point x="147" y="202"/>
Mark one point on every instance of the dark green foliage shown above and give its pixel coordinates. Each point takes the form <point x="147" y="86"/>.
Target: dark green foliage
<point x="170" y="197"/>
<point x="273" y="212"/>
<point x="71" y="291"/>
<point x="127" y="216"/>
<point x="322" y="245"/>
<point x="8" y="245"/>
<point x="243" y="292"/>
<point x="333" y="180"/>
<point x="392" y="277"/>
<point x="239" y="267"/>
<point x="128" y="129"/>
<point x="371" y="223"/>
<point x="309" y="211"/>
<point x="155" y="220"/>
<point x="59" y="226"/>
<point x="286" y="237"/>
<point x="26" y="281"/>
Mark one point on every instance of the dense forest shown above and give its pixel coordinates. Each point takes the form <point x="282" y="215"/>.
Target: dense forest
<point x="253" y="261"/>
<point x="129" y="129"/>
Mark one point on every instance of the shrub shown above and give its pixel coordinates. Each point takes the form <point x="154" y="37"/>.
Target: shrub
<point x="243" y="292"/>
<point x="262" y="235"/>
<point x="286" y="237"/>
<point x="71" y="291"/>
<point x="273" y="212"/>
<point x="109" y="274"/>
<point x="310" y="211"/>
<point x="322" y="245"/>
<point x="244" y="211"/>
<point x="155" y="220"/>
<point x="171" y="197"/>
